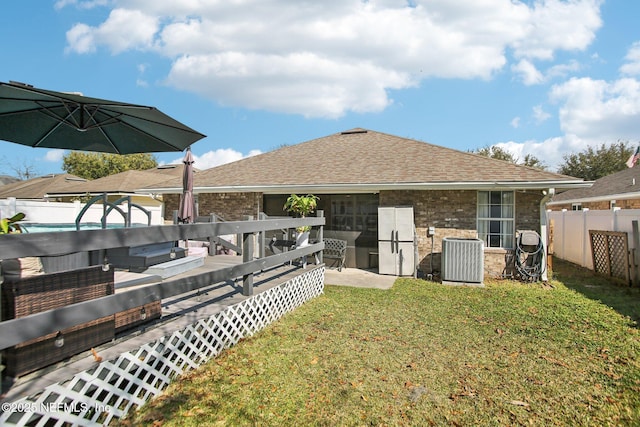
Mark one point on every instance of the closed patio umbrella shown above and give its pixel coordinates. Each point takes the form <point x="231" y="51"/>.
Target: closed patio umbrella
<point x="44" y="118"/>
<point x="187" y="209"/>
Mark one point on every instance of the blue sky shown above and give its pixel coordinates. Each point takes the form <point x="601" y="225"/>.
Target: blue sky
<point x="545" y="77"/>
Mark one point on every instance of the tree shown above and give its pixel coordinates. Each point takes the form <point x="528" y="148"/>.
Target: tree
<point x="96" y="165"/>
<point x="499" y="153"/>
<point x="594" y="163"/>
<point x="495" y="152"/>
<point x="533" y="162"/>
<point x="22" y="169"/>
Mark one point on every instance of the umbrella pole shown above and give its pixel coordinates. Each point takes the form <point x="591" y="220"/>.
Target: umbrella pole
<point x="186" y="242"/>
<point x="178" y="221"/>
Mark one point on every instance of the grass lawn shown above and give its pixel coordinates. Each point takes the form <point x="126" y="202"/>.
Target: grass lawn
<point x="423" y="353"/>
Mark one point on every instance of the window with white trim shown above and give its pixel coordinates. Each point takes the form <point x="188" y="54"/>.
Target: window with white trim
<point x="496" y="218"/>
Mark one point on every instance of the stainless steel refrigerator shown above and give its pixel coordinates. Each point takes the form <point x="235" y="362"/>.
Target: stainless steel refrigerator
<point x="396" y="234"/>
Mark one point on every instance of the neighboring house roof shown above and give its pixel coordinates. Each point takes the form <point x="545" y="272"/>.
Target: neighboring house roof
<point x="620" y="185"/>
<point x="123" y="182"/>
<point x="6" y="179"/>
<point x="37" y="188"/>
<point x="364" y="160"/>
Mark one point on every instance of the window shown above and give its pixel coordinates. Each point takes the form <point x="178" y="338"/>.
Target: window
<point x="496" y="213"/>
<point x="355" y="212"/>
<point x="576" y="206"/>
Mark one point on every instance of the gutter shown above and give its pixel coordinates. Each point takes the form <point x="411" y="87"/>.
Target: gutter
<point x="375" y="187"/>
<point x="622" y="196"/>
<point x="544" y="236"/>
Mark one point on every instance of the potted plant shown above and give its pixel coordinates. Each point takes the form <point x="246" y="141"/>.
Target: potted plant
<point x="301" y="206"/>
<point x="10" y="225"/>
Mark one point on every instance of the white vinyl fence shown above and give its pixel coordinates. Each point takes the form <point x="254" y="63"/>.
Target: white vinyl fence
<point x="571" y="231"/>
<point x="65" y="213"/>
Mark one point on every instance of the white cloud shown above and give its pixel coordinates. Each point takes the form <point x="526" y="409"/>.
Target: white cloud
<point x="81" y="39"/>
<point x="305" y="83"/>
<point x="599" y="110"/>
<point x="140" y="81"/>
<point x="123" y="30"/>
<point x="515" y="122"/>
<point x="632" y="66"/>
<point x="217" y="157"/>
<point x="558" y="25"/>
<point x="549" y="151"/>
<point x="562" y="70"/>
<point x="54" y="156"/>
<point x="540" y="115"/>
<point x="591" y="113"/>
<point x="80" y="4"/>
<point x="324" y="59"/>
<point x="527" y="72"/>
<point x="530" y="75"/>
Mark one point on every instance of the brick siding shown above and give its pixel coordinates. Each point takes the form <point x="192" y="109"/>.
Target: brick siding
<point x="602" y="205"/>
<point x="452" y="213"/>
<point x="230" y="206"/>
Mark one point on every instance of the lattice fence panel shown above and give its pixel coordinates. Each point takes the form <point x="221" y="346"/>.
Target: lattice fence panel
<point x="610" y="251"/>
<point x="115" y="387"/>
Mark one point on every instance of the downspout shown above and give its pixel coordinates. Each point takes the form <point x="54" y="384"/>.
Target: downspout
<point x="543" y="229"/>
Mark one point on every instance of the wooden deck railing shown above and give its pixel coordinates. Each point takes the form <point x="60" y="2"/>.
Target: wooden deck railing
<point x="16" y="331"/>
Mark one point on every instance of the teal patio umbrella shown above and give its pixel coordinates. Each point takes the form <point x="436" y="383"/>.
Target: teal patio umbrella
<point x="44" y="118"/>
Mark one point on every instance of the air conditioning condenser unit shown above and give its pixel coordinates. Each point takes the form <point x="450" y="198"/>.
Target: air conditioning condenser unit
<point x="462" y="261"/>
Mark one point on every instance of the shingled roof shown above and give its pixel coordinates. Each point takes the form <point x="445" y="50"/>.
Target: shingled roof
<point x="6" y="179"/>
<point x="620" y="185"/>
<point x="37" y="188"/>
<point x="364" y="160"/>
<point x="123" y="182"/>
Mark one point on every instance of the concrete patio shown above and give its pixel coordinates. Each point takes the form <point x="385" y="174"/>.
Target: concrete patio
<point x="358" y="278"/>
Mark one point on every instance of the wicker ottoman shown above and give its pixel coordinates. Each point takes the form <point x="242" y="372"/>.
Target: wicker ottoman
<point x="137" y="316"/>
<point x="34" y="294"/>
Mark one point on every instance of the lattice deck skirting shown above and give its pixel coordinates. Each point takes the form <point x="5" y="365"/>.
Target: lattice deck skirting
<point x="113" y="388"/>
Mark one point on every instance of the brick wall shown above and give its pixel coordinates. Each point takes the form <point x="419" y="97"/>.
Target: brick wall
<point x="230" y="206"/>
<point x="171" y="203"/>
<point x="603" y="205"/>
<point x="628" y="204"/>
<point x="454" y="214"/>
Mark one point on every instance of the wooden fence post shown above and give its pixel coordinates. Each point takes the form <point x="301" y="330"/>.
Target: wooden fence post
<point x="248" y="242"/>
<point x="262" y="238"/>
<point x="320" y="235"/>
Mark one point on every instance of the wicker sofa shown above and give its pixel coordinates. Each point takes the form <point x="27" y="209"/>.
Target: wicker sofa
<point x="33" y="294"/>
